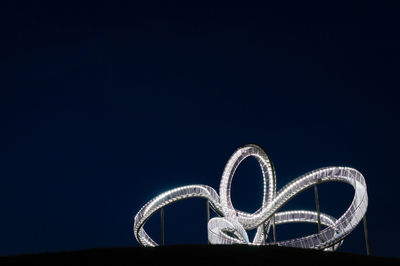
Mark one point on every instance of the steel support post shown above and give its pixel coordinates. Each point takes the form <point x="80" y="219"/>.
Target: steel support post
<point x="208" y="216"/>
<point x="317" y="207"/>
<point x="162" y="225"/>
<point x="208" y="210"/>
<point x="274" y="228"/>
<point x="264" y="233"/>
<point x="366" y="235"/>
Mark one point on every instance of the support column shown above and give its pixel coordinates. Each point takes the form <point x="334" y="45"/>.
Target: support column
<point x="274" y="228"/>
<point x="162" y="225"/>
<point x="208" y="217"/>
<point x="366" y="235"/>
<point x="208" y="211"/>
<point x="317" y="207"/>
<point x="264" y="233"/>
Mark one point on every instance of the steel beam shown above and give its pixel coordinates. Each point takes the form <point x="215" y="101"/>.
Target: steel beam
<point x="317" y="207"/>
<point x="208" y="215"/>
<point x="274" y="228"/>
<point x="162" y="225"/>
<point x="366" y="235"/>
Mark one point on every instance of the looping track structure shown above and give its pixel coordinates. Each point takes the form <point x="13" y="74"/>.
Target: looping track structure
<point x="231" y="227"/>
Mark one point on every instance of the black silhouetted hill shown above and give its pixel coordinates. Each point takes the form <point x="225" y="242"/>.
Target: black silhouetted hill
<point x="197" y="255"/>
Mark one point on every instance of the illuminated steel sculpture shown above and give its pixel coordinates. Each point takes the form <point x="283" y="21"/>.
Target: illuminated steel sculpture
<point x="230" y="227"/>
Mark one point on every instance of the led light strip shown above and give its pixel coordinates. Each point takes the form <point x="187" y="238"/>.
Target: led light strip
<point x="231" y="228"/>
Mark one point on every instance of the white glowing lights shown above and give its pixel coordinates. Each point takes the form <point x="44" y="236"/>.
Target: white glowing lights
<point x="231" y="227"/>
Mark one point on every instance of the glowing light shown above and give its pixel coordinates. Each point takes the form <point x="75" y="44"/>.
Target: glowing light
<point x="231" y="227"/>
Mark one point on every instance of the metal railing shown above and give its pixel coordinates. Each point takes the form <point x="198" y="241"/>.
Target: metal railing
<point x="231" y="227"/>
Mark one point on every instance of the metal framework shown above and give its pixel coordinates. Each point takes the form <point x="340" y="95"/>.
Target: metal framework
<point x="230" y="226"/>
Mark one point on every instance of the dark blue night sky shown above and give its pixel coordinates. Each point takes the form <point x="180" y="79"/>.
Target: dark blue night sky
<point x="103" y="106"/>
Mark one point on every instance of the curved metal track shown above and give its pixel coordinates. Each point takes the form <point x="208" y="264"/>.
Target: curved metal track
<point x="231" y="227"/>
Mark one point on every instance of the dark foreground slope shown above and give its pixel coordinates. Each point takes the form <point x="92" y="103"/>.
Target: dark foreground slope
<point x="197" y="255"/>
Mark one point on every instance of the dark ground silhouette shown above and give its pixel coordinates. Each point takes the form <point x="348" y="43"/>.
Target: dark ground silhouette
<point x="197" y="255"/>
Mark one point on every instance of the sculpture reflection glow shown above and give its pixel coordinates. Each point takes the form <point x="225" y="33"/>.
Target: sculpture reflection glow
<point x="231" y="227"/>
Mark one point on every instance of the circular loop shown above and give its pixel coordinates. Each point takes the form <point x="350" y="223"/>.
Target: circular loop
<point x="226" y="181"/>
